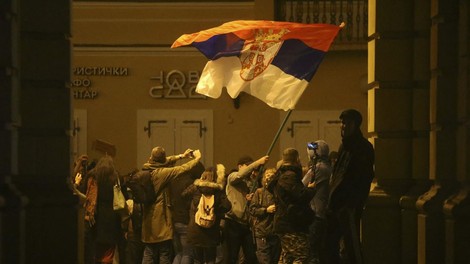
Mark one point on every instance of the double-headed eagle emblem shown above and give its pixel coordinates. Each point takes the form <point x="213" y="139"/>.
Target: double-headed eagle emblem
<point x="258" y="54"/>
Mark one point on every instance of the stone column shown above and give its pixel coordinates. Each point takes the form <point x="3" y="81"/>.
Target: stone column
<point x="420" y="126"/>
<point x="443" y="125"/>
<point x="12" y="201"/>
<point x="35" y="140"/>
<point x="457" y="206"/>
<point x="398" y="103"/>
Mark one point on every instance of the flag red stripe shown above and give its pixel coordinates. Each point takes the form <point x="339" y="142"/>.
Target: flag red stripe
<point x="317" y="36"/>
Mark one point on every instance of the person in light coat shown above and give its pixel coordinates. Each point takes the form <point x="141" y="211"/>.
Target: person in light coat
<point x="157" y="228"/>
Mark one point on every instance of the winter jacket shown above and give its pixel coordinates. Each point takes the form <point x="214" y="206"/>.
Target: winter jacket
<point x="261" y="219"/>
<point x="292" y="198"/>
<point x="352" y="174"/>
<point x="236" y="190"/>
<point x="104" y="222"/>
<point x="180" y="204"/>
<point x="208" y="237"/>
<point x="157" y="221"/>
<point x="321" y="174"/>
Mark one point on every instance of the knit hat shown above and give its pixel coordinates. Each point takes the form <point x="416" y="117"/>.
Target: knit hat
<point x="353" y="115"/>
<point x="245" y="160"/>
<point x="158" y="154"/>
<point x="290" y="156"/>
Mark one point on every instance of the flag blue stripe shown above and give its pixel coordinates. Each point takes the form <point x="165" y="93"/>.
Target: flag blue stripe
<point x="219" y="46"/>
<point x="294" y="57"/>
<point x="297" y="59"/>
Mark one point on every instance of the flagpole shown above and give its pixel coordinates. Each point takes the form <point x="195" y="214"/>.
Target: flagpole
<point x="276" y="137"/>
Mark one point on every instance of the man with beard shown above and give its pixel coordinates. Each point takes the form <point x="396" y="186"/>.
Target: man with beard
<point x="349" y="188"/>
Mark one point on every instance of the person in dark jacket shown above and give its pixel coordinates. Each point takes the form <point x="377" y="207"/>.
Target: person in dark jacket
<point x="293" y="213"/>
<point x="180" y="206"/>
<point x="101" y="221"/>
<point x="319" y="172"/>
<point x="203" y="239"/>
<point x="134" y="247"/>
<point x="262" y="209"/>
<point x="349" y="189"/>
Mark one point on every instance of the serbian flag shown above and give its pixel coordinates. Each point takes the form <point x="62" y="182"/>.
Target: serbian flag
<point x="273" y="61"/>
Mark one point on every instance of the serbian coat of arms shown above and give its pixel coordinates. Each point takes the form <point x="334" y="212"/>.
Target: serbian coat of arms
<point x="258" y="54"/>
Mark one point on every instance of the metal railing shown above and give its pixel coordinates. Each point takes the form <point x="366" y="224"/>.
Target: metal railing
<point x="353" y="12"/>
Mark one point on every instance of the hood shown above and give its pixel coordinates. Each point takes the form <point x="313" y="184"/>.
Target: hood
<point x="323" y="150"/>
<point x="152" y="165"/>
<point x="220" y="184"/>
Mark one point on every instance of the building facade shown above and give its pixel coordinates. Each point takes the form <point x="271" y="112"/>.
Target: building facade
<point x="100" y="77"/>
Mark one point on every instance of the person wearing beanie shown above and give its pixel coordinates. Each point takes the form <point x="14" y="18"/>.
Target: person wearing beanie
<point x="349" y="188"/>
<point x="159" y="159"/>
<point x="293" y="214"/>
<point x="236" y="230"/>
<point x="157" y="224"/>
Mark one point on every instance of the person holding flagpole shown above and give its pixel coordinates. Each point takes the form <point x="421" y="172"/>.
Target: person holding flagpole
<point x="236" y="231"/>
<point x="271" y="60"/>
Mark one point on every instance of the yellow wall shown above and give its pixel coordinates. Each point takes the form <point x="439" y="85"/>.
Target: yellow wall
<point x="137" y="37"/>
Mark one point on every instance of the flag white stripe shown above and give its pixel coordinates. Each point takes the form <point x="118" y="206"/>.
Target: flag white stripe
<point x="273" y="86"/>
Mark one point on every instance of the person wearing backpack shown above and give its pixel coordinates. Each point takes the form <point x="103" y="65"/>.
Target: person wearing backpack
<point x="180" y="207"/>
<point x="157" y="226"/>
<point x="208" y="206"/>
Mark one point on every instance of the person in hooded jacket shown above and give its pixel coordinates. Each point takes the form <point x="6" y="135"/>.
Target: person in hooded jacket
<point x="319" y="173"/>
<point x="180" y="206"/>
<point x="349" y="188"/>
<point x="262" y="209"/>
<point x="157" y="225"/>
<point x="293" y="213"/>
<point x="205" y="240"/>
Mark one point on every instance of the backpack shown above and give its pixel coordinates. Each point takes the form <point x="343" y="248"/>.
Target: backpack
<point x="141" y="186"/>
<point x="205" y="216"/>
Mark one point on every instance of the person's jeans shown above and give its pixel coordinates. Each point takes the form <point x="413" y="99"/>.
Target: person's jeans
<point x="317" y="236"/>
<point x="184" y="251"/>
<point x="238" y="236"/>
<point x="134" y="252"/>
<point x="157" y="253"/>
<point x="268" y="249"/>
<point x="204" y="255"/>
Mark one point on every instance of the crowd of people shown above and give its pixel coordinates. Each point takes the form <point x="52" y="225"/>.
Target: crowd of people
<point x="192" y="213"/>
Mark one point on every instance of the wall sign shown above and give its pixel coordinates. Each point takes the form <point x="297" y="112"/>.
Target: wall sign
<point x="82" y="83"/>
<point x="175" y="85"/>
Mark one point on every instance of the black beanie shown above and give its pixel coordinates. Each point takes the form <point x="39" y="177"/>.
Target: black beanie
<point x="245" y="160"/>
<point x="352" y="114"/>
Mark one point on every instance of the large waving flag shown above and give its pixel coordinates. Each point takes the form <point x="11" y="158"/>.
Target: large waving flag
<point x="273" y="61"/>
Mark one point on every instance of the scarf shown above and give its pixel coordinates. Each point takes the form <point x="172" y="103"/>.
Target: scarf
<point x="91" y="200"/>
